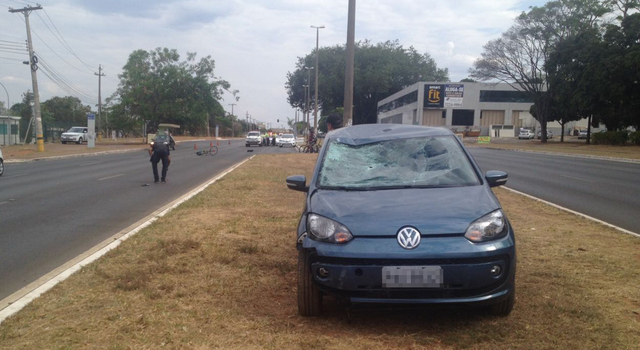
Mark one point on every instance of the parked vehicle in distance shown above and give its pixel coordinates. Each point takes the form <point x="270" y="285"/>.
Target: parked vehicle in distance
<point x="526" y="134"/>
<point x="77" y="134"/>
<point x="402" y="214"/>
<point x="1" y="163"/>
<point x="287" y="140"/>
<point x="549" y="134"/>
<point x="167" y="139"/>
<point x="582" y="134"/>
<point x="253" y="138"/>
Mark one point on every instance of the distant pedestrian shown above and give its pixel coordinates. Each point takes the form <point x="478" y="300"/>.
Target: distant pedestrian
<point x="159" y="151"/>
<point x="334" y="121"/>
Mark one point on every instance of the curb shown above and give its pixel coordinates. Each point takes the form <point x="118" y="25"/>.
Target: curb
<point x="18" y="300"/>
<point x="584" y="156"/>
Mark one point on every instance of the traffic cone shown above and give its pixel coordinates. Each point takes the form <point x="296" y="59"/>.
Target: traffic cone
<point x="229" y="141"/>
<point x="195" y="146"/>
<point x="210" y="143"/>
<point x="217" y="143"/>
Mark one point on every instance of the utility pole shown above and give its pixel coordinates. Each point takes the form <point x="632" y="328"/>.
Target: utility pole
<point x="315" y="101"/>
<point x="348" y="70"/>
<point x="33" y="63"/>
<point x="306" y="104"/>
<point x="100" y="75"/>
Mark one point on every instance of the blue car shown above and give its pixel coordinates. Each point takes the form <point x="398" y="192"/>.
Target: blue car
<point x="402" y="214"/>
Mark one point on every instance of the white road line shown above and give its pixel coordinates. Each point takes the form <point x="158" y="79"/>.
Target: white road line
<point x="110" y="177"/>
<point x="576" y="178"/>
<point x="1" y="203"/>
<point x="573" y="212"/>
<point x="14" y="175"/>
<point x="91" y="164"/>
<point x="18" y="300"/>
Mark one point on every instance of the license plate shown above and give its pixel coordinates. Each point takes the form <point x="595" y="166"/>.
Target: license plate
<point x="412" y="277"/>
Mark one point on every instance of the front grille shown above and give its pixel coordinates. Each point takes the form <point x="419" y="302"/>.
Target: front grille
<point x="411" y="262"/>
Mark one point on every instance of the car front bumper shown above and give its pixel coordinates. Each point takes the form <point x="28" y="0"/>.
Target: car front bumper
<point x="253" y="142"/>
<point x="355" y="269"/>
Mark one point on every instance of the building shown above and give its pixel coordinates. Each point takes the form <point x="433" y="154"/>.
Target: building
<point x="464" y="106"/>
<point x="9" y="130"/>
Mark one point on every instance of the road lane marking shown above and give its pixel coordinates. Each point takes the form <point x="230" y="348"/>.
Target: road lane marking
<point x="1" y="203"/>
<point x="576" y="178"/>
<point x="110" y="177"/>
<point x="18" y="300"/>
<point x="92" y="164"/>
<point x="14" y="175"/>
<point x="573" y="212"/>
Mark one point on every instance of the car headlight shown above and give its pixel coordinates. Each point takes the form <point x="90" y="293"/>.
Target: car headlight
<point x="327" y="230"/>
<point x="488" y="227"/>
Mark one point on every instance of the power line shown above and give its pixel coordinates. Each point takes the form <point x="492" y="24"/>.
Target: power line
<point x="59" y="79"/>
<point x="66" y="44"/>
<point x="11" y="59"/>
<point x="52" y="50"/>
<point x="12" y="42"/>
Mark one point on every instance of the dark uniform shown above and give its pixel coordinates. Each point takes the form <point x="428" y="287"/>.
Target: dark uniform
<point x="159" y="152"/>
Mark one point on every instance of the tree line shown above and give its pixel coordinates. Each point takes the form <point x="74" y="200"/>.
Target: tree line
<point x="380" y="70"/>
<point x="154" y="87"/>
<point x="575" y="58"/>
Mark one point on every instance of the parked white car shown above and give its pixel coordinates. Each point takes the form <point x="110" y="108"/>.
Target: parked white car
<point x="287" y="140"/>
<point x="549" y="134"/>
<point x="1" y="164"/>
<point x="526" y="134"/>
<point x="77" y="134"/>
<point x="253" y="138"/>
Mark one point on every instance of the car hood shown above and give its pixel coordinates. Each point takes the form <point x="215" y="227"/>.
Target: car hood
<point x="432" y="211"/>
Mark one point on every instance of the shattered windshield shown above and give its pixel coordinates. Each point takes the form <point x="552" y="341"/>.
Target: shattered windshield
<point x="414" y="162"/>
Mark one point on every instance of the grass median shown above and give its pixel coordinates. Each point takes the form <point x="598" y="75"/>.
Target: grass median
<point x="220" y="272"/>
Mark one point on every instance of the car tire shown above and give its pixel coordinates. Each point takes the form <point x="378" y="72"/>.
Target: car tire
<point x="504" y="308"/>
<point x="247" y="145"/>
<point x="309" y="296"/>
<point x="64" y="142"/>
<point x="1" y="167"/>
<point x="79" y="141"/>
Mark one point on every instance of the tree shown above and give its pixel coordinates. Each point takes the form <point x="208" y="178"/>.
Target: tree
<point x="66" y="110"/>
<point x="157" y="87"/>
<point x="518" y="57"/>
<point x="380" y="70"/>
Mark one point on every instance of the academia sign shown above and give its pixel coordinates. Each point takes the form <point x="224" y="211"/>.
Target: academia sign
<point x="453" y="95"/>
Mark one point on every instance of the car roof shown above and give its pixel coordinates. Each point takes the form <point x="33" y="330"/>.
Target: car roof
<point x="369" y="133"/>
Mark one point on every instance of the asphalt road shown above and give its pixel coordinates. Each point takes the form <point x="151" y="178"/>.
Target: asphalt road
<point x="606" y="190"/>
<point x="52" y="211"/>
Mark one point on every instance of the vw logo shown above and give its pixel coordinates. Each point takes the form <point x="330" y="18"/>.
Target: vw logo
<point x="408" y="237"/>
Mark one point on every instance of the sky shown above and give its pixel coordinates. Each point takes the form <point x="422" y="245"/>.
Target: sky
<point x="253" y="42"/>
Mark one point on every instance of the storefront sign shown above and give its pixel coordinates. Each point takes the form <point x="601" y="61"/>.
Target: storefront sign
<point x="433" y="96"/>
<point x="484" y="139"/>
<point x="453" y="95"/>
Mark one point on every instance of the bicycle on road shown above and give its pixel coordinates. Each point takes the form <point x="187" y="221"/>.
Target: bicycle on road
<point x="212" y="151"/>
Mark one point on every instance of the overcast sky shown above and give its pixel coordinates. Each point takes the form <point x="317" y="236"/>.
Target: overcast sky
<point x="254" y="43"/>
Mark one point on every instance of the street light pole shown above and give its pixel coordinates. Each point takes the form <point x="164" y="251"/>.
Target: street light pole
<point x="315" y="102"/>
<point x="308" y="94"/>
<point x="8" y="101"/>
<point x="306" y="103"/>
<point x="348" y="70"/>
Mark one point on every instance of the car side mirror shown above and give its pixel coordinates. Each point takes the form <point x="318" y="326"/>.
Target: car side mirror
<point x="297" y="183"/>
<point x="496" y="178"/>
<point x="84" y="131"/>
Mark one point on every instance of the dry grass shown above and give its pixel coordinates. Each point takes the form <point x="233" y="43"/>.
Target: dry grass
<point x="219" y="272"/>
<point x="571" y="146"/>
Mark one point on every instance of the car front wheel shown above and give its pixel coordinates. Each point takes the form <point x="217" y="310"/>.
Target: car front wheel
<point x="309" y="296"/>
<point x="1" y="167"/>
<point x="79" y="141"/>
<point x="64" y="142"/>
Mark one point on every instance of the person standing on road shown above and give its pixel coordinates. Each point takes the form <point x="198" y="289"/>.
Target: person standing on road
<point x="160" y="151"/>
<point x="334" y="121"/>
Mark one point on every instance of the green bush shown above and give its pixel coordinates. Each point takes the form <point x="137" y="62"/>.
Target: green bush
<point x="635" y="138"/>
<point x="610" y="138"/>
